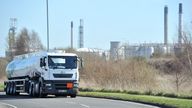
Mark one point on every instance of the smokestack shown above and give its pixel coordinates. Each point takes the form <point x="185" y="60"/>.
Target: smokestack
<point x="166" y="25"/>
<point x="81" y="41"/>
<point x="71" y="34"/>
<point x="180" y="25"/>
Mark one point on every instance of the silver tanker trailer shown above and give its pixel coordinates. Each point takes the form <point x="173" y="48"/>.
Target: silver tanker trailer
<point x="43" y="73"/>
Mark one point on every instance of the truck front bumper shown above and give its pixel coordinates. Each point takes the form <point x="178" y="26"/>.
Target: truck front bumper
<point x="60" y="87"/>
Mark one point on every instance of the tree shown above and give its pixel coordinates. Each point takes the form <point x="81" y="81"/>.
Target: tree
<point x="35" y="42"/>
<point x="183" y="61"/>
<point x="24" y="42"/>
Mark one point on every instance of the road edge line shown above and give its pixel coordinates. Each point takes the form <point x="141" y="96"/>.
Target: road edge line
<point x="9" y="105"/>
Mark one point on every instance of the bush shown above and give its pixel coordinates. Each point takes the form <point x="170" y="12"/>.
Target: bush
<point x="3" y="64"/>
<point x="130" y="74"/>
<point x="172" y="95"/>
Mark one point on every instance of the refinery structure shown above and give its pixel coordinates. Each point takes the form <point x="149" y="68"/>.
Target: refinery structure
<point x="119" y="50"/>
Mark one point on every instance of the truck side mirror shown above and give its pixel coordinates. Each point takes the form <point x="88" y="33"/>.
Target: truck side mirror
<point x="44" y="63"/>
<point x="81" y="63"/>
<point x="41" y="62"/>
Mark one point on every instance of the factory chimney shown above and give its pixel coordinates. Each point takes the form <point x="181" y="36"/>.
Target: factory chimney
<point x="165" y="25"/>
<point x="81" y="41"/>
<point x="180" y="25"/>
<point x="71" y="34"/>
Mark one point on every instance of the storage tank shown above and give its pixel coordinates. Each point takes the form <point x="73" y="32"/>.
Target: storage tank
<point x="145" y="51"/>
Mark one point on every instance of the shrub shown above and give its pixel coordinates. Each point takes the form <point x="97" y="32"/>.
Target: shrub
<point x="129" y="74"/>
<point x="3" y="64"/>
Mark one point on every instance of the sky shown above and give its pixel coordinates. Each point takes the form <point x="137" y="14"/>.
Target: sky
<point x="127" y="21"/>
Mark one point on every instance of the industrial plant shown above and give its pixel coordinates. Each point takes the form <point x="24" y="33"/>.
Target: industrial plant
<point x="120" y="50"/>
<point x="148" y="50"/>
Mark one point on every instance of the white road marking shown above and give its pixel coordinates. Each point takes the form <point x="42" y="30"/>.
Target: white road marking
<point x="86" y="106"/>
<point x="70" y="103"/>
<point x="83" y="105"/>
<point x="9" y="105"/>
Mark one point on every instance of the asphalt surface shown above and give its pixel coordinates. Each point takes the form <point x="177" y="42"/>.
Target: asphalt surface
<point x="24" y="101"/>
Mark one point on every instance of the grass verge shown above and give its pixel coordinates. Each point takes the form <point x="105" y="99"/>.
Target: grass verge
<point x="1" y="86"/>
<point x="153" y="100"/>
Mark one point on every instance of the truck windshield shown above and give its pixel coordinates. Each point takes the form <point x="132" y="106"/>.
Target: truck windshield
<point x="62" y="62"/>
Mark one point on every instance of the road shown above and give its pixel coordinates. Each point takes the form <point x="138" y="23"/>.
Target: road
<point x="24" y="101"/>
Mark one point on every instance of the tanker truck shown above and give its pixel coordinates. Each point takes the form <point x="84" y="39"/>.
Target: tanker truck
<point x="43" y="73"/>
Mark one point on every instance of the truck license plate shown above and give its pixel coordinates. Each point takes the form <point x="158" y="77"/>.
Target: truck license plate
<point x="62" y="91"/>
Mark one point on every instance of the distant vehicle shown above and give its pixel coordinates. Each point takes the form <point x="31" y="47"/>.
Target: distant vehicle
<point x="43" y="73"/>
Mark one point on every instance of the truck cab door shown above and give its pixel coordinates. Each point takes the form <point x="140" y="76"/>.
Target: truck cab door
<point x="44" y="68"/>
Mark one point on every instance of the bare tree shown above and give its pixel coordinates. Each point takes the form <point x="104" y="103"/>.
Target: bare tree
<point x="35" y="42"/>
<point x="22" y="41"/>
<point x="27" y="42"/>
<point x="182" y="66"/>
<point x="187" y="38"/>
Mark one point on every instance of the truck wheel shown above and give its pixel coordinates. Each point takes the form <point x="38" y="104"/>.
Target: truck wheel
<point x="7" y="88"/>
<point x="61" y="95"/>
<point x="40" y="90"/>
<point x="73" y="95"/>
<point x="11" y="88"/>
<point x="36" y="89"/>
<point x="41" y="94"/>
<point x="31" y="89"/>
<point x="14" y="88"/>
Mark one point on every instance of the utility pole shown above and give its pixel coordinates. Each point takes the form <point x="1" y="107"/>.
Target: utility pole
<point x="71" y="34"/>
<point x="47" y="25"/>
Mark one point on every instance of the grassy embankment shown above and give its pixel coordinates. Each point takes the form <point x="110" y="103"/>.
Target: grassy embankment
<point x="140" y="76"/>
<point x="154" y="100"/>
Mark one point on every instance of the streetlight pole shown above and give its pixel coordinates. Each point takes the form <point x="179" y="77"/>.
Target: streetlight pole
<point x="47" y="26"/>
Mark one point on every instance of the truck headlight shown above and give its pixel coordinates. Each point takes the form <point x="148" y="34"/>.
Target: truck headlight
<point x="76" y="85"/>
<point x="48" y="85"/>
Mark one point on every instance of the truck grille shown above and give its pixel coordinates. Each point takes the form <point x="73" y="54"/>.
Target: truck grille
<point x="60" y="86"/>
<point x="63" y="75"/>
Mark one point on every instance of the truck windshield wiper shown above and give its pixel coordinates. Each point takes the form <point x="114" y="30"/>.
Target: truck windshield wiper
<point x="59" y="67"/>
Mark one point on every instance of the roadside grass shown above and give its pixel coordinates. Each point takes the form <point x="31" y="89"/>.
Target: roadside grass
<point x="148" y="93"/>
<point x="1" y="86"/>
<point x="153" y="100"/>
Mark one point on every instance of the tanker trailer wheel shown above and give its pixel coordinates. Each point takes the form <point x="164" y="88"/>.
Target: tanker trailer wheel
<point x="40" y="89"/>
<point x="14" y="88"/>
<point x="7" y="88"/>
<point x="11" y="88"/>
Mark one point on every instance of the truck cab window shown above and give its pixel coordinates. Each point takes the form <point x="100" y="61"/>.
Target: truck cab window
<point x="62" y="62"/>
